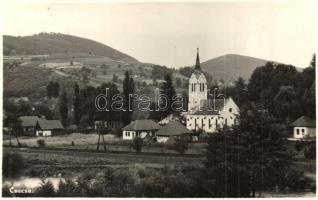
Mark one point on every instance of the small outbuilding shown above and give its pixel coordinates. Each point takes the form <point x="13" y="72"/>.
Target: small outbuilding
<point x="140" y="128"/>
<point x="173" y="129"/>
<point x="304" y="127"/>
<point x="49" y="127"/>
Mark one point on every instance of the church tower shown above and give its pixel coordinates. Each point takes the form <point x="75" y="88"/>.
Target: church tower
<point x="198" y="90"/>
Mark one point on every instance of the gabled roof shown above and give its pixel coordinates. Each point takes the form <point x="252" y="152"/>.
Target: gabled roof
<point x="27" y="121"/>
<point x="304" y="121"/>
<point x="173" y="129"/>
<point x="50" y="124"/>
<point x="142" y="125"/>
<point x="211" y="107"/>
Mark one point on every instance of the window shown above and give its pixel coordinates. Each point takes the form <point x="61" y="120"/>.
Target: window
<point x="216" y="121"/>
<point x="226" y="121"/>
<point x="230" y="110"/>
<point x="202" y="87"/>
<point x="303" y="130"/>
<point x="297" y="131"/>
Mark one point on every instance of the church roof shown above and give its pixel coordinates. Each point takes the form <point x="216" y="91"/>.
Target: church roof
<point x="211" y="107"/>
<point x="197" y="67"/>
<point x="197" y="62"/>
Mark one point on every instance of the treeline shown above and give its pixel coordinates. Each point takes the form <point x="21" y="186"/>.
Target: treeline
<point x="285" y="92"/>
<point x="278" y="89"/>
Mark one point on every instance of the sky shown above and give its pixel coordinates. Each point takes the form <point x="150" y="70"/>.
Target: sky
<point x="168" y="33"/>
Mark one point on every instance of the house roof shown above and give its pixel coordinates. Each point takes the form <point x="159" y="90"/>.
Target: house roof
<point x="142" y="125"/>
<point x="50" y="124"/>
<point x="304" y="121"/>
<point x="27" y="121"/>
<point x="211" y="107"/>
<point x="173" y="129"/>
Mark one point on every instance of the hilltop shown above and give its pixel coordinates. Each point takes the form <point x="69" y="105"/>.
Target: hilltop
<point x="56" y="43"/>
<point x="231" y="66"/>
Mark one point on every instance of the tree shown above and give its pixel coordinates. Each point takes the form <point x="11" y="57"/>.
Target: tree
<point x="248" y="157"/>
<point x="115" y="78"/>
<point x="180" y="144"/>
<point x="128" y="90"/>
<point x="43" y="110"/>
<point x="63" y="109"/>
<point x="45" y="190"/>
<point x="56" y="90"/>
<point x="12" y="164"/>
<point x="76" y="105"/>
<point x="137" y="144"/>
<point x="49" y="89"/>
<point x="167" y="90"/>
<point x="178" y="82"/>
<point x="238" y="92"/>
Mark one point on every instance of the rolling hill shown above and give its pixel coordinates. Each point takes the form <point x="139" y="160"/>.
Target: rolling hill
<point x="56" y="43"/>
<point x="231" y="66"/>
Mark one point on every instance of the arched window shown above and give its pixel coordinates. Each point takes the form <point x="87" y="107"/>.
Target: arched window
<point x="230" y="110"/>
<point x="202" y="87"/>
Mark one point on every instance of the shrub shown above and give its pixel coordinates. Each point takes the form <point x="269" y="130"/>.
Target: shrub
<point x="137" y="144"/>
<point x="12" y="165"/>
<point x="180" y="145"/>
<point x="310" y="150"/>
<point x="45" y="190"/>
<point x="298" y="146"/>
<point x="118" y="132"/>
<point x="41" y="143"/>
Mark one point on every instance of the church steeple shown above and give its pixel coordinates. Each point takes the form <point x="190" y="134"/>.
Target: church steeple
<point x="197" y="62"/>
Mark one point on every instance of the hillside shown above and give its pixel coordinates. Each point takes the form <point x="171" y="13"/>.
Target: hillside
<point x="56" y="43"/>
<point x="231" y="66"/>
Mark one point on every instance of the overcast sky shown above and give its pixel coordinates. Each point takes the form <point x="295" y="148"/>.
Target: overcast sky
<point x="169" y="33"/>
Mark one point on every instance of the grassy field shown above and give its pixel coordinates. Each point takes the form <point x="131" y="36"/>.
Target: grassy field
<point x="89" y="142"/>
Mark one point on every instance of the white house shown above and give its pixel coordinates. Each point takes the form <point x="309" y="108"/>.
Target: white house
<point x="141" y="128"/>
<point x="173" y="129"/>
<point x="304" y="127"/>
<point x="49" y="127"/>
<point x="207" y="114"/>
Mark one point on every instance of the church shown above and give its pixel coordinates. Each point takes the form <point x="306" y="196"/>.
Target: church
<point x="207" y="114"/>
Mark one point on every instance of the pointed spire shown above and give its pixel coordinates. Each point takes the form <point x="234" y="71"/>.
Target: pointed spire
<point x="197" y="62"/>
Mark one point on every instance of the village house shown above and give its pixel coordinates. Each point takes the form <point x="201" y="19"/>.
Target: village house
<point x="49" y="127"/>
<point x="207" y="114"/>
<point x="28" y="124"/>
<point x="173" y="129"/>
<point x="140" y="128"/>
<point x="304" y="128"/>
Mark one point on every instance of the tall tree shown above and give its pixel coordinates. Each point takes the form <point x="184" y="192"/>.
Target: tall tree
<point x="76" y="105"/>
<point x="249" y="158"/>
<point x="167" y="89"/>
<point x="49" y="89"/>
<point x="128" y="89"/>
<point x="63" y="109"/>
<point x="56" y="90"/>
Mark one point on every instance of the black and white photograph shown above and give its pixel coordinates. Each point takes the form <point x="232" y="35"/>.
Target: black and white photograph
<point x="158" y="99"/>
